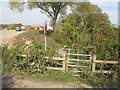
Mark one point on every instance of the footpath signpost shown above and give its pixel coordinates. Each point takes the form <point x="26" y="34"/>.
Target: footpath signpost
<point x="45" y="30"/>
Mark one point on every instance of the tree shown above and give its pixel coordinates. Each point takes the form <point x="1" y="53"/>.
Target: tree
<point x="4" y="26"/>
<point x="52" y="9"/>
<point x="90" y="30"/>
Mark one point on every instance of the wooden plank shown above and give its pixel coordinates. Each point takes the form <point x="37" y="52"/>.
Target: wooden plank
<point x="56" y="58"/>
<point x="22" y="55"/>
<point x="103" y="71"/>
<point x="76" y="75"/>
<point x="76" y="71"/>
<point x="101" y="61"/>
<point x="54" y="68"/>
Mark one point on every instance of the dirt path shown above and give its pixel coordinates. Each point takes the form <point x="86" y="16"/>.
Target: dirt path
<point x="6" y="36"/>
<point x="12" y="81"/>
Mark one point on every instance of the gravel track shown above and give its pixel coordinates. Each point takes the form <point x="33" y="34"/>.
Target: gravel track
<point x="15" y="81"/>
<point x="6" y="36"/>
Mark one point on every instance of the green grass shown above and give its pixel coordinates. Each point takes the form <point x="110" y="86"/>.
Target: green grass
<point x="50" y="75"/>
<point x="58" y="76"/>
<point x="37" y="39"/>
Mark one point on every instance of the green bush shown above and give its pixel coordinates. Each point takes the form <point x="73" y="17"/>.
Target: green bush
<point x="100" y="79"/>
<point x="31" y="64"/>
<point x="8" y="57"/>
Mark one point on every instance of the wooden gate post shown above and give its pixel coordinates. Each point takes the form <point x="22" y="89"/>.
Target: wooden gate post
<point x="93" y="63"/>
<point x="64" y="62"/>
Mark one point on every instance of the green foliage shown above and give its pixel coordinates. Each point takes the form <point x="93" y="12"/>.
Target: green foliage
<point x="9" y="26"/>
<point x="3" y="25"/>
<point x="99" y="79"/>
<point x="12" y="26"/>
<point x="15" y="4"/>
<point x="8" y="56"/>
<point x="56" y="36"/>
<point x="90" y="30"/>
<point x="32" y="64"/>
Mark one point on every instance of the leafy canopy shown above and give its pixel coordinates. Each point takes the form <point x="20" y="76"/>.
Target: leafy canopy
<point x="90" y="30"/>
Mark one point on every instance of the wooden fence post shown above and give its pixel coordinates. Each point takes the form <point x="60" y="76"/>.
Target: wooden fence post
<point x="93" y="63"/>
<point x="64" y="62"/>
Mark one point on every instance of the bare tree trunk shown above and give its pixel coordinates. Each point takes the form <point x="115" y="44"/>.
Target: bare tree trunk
<point x="54" y="22"/>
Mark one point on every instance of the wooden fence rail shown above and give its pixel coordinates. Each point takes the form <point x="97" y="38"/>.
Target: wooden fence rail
<point x="64" y="63"/>
<point x="58" y="59"/>
<point x="101" y="61"/>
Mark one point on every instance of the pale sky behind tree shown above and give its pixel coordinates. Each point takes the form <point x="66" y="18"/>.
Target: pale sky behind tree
<point x="29" y="17"/>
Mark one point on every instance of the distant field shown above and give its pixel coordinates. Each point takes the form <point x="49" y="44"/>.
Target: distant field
<point x="6" y="36"/>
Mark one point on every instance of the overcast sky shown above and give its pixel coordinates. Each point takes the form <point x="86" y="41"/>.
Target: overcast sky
<point x="8" y="16"/>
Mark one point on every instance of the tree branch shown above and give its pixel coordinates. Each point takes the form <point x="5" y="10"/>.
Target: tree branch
<point x="45" y="10"/>
<point x="61" y="7"/>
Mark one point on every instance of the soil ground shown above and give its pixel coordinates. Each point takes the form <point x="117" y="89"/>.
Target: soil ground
<point x="15" y="81"/>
